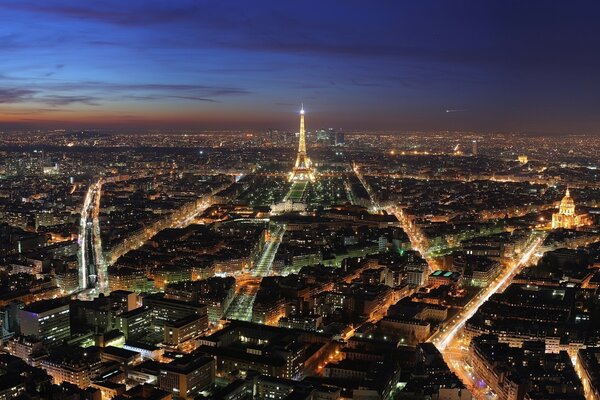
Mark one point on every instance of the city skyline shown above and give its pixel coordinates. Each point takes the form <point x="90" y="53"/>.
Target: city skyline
<point x="317" y="200"/>
<point x="269" y="265"/>
<point x="493" y="67"/>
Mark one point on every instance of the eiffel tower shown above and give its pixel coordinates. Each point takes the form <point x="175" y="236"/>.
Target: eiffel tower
<point x="303" y="170"/>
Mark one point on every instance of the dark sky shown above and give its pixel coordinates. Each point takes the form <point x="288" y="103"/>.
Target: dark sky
<point x="502" y="65"/>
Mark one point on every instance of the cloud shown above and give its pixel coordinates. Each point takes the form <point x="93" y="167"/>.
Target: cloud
<point x="31" y="111"/>
<point x="163" y="97"/>
<point x="11" y="95"/>
<point x="357" y="82"/>
<point x="17" y="95"/>
<point x="58" y="100"/>
<point x="55" y="93"/>
<point x="116" y="14"/>
<point x="104" y="86"/>
<point x="194" y="98"/>
<point x="10" y="41"/>
<point x="197" y="25"/>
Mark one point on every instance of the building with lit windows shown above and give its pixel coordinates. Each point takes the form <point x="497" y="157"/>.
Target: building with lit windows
<point x="47" y="320"/>
<point x="27" y="349"/>
<point x="442" y="277"/>
<point x="67" y="368"/>
<point x="411" y="328"/>
<point x="187" y="376"/>
<point x="135" y="323"/>
<point x="277" y="352"/>
<point x="216" y="292"/>
<point x="178" y="332"/>
<point x="10" y="389"/>
<point x="309" y="322"/>
<point x="168" y="310"/>
<point x="416" y="274"/>
<point x="526" y="372"/>
<point x="129" y="279"/>
<point x="588" y="361"/>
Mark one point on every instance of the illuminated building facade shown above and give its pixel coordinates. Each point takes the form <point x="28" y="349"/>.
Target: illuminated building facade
<point x="182" y="330"/>
<point x="129" y="279"/>
<point x="303" y="170"/>
<point x="135" y="323"/>
<point x="65" y="368"/>
<point x="47" y="320"/>
<point x="566" y="218"/>
<point x="187" y="376"/>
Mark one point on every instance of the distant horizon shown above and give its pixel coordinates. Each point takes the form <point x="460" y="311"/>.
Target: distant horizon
<point x="286" y="124"/>
<point x="233" y="131"/>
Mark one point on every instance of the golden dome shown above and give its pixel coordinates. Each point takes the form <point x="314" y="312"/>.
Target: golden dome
<point x="567" y="204"/>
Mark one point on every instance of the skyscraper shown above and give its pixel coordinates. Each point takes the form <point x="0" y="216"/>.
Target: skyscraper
<point x="340" y="140"/>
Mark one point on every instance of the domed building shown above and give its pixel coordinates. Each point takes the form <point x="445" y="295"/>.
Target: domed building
<point x="566" y="218"/>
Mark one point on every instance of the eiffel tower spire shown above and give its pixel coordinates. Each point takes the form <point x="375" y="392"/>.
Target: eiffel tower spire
<point x="303" y="169"/>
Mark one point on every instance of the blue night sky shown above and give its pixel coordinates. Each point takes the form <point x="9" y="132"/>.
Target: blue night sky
<point x="506" y="65"/>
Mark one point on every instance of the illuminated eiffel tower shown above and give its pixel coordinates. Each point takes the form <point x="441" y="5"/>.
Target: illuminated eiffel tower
<point x="303" y="170"/>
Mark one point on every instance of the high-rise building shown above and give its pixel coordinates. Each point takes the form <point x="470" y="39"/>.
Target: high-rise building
<point x="47" y="320"/>
<point x="323" y="135"/>
<point x="303" y="168"/>
<point x="474" y="151"/>
<point x="340" y="139"/>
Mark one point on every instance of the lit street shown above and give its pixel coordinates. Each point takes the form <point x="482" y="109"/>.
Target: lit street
<point x="92" y="269"/>
<point x="448" y="340"/>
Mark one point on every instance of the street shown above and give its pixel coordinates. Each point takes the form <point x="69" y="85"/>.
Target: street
<point x="447" y="340"/>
